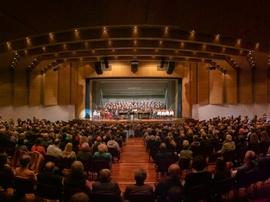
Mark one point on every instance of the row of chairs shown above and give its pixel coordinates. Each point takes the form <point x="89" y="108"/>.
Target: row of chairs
<point x="225" y="186"/>
<point x="22" y="186"/>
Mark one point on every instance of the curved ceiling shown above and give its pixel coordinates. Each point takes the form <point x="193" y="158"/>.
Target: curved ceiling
<point x="136" y="29"/>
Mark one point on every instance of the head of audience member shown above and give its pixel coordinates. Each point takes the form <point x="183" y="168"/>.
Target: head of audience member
<point x="98" y="139"/>
<point x="163" y="147"/>
<point x="249" y="156"/>
<point x="68" y="147"/>
<point x="85" y="146"/>
<point x="140" y="176"/>
<point x="77" y="169"/>
<point x="3" y="159"/>
<point x="175" y="194"/>
<point x="196" y="138"/>
<point x="49" y="167"/>
<point x="174" y="170"/>
<point x="253" y="139"/>
<point x="80" y="197"/>
<point x="56" y="142"/>
<point x="228" y="138"/>
<point x="102" y="148"/>
<point x="25" y="161"/>
<point x="39" y="141"/>
<point x="199" y="163"/>
<point x="185" y="144"/>
<point x="46" y="136"/>
<point x="105" y="175"/>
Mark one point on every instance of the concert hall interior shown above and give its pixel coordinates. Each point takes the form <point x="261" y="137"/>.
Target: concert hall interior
<point x="177" y="73"/>
<point x="50" y="56"/>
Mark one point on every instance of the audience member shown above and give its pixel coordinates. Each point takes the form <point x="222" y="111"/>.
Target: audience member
<point x="105" y="185"/>
<point x="103" y="153"/>
<point x="54" y="149"/>
<point x="164" y="185"/>
<point x="84" y="154"/>
<point x="49" y="177"/>
<point x="80" y="197"/>
<point x="139" y="188"/>
<point x="228" y="144"/>
<point x="185" y="152"/>
<point x="68" y="153"/>
<point x="38" y="147"/>
<point x="6" y="172"/>
<point x="23" y="171"/>
<point x="77" y="178"/>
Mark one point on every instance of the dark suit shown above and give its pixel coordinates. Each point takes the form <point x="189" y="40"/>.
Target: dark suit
<point x="136" y="189"/>
<point x="50" y="179"/>
<point x="164" y="186"/>
<point x="194" y="179"/>
<point x="106" y="187"/>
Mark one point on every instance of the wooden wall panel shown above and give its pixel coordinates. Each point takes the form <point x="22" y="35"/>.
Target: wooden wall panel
<point x="20" y="88"/>
<point x="203" y="84"/>
<point x="74" y="84"/>
<point x="51" y="87"/>
<point x="35" y="88"/>
<point x="186" y="89"/>
<point x="5" y="88"/>
<point x="216" y="87"/>
<point x="245" y="87"/>
<point x="193" y="83"/>
<point x="64" y="84"/>
<point x="260" y="78"/>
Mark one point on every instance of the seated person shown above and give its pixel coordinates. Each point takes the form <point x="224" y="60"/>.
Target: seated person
<point x="38" y="147"/>
<point x="185" y="152"/>
<point x="6" y="173"/>
<point x="54" y="149"/>
<point x="175" y="194"/>
<point x="113" y="144"/>
<point x="106" y="185"/>
<point x="139" y="188"/>
<point x="250" y="164"/>
<point x="227" y="145"/>
<point x="68" y="153"/>
<point x="199" y="176"/>
<point x="102" y="153"/>
<point x="85" y="154"/>
<point x="163" y="154"/>
<point x="79" y="197"/>
<point x="77" y="178"/>
<point x="48" y="176"/>
<point x="221" y="171"/>
<point x="164" y="185"/>
<point x="23" y="171"/>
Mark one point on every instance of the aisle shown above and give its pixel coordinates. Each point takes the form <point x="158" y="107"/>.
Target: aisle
<point x="134" y="156"/>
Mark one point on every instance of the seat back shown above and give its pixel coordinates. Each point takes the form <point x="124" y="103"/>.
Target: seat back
<point x="263" y="174"/>
<point x="229" y="155"/>
<point x="6" y="181"/>
<point x="66" y="162"/>
<point x="114" y="152"/>
<point x="246" y="179"/>
<point x="199" y="193"/>
<point x="47" y="191"/>
<point x="51" y="158"/>
<point x="98" y="165"/>
<point x="69" y="191"/>
<point x="140" y="197"/>
<point x="17" y="156"/>
<point x="163" y="165"/>
<point x="108" y="197"/>
<point x="184" y="163"/>
<point x="36" y="162"/>
<point x="23" y="185"/>
<point x="224" y="186"/>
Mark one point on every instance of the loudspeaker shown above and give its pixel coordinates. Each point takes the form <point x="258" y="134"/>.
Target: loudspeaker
<point x="98" y="68"/>
<point x="134" y="66"/>
<point x="170" y="67"/>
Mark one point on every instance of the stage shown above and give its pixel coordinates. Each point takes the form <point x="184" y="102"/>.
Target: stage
<point x="167" y="120"/>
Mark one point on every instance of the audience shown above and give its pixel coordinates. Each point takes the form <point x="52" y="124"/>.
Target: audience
<point x="6" y="173"/>
<point x="38" y="146"/>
